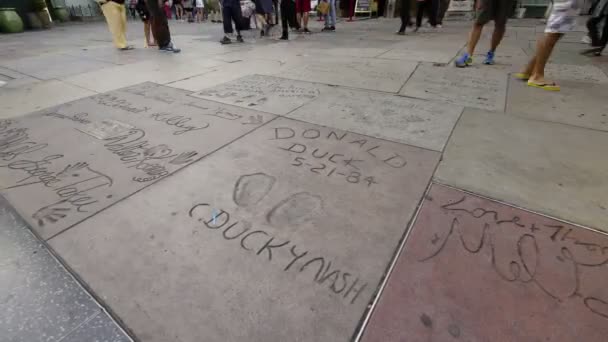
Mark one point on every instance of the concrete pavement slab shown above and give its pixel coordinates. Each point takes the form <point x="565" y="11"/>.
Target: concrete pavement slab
<point x="578" y="104"/>
<point x="580" y="73"/>
<point x="479" y="88"/>
<point x="13" y="79"/>
<point x="411" y="121"/>
<point x="228" y="72"/>
<point x="40" y="299"/>
<point x="266" y="240"/>
<point x="37" y="95"/>
<point x="157" y="71"/>
<point x="420" y="54"/>
<point x="100" y="328"/>
<point x="67" y="163"/>
<point x="550" y="168"/>
<point x="265" y="93"/>
<point x="372" y="74"/>
<point x="54" y="65"/>
<point x="477" y="270"/>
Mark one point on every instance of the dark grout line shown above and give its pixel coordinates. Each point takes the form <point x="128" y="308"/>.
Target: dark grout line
<point x="409" y="77"/>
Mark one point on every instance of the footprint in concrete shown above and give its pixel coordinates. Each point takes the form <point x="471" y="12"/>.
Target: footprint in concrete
<point x="251" y="189"/>
<point x="454" y="330"/>
<point x="426" y="320"/>
<point x="295" y="209"/>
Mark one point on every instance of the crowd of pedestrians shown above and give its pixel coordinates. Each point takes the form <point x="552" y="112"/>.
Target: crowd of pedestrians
<point x="237" y="15"/>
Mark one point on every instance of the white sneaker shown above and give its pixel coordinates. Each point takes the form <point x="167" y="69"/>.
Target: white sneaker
<point x="586" y="39"/>
<point x="439" y="26"/>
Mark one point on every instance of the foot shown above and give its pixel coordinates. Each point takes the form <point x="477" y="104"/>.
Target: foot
<point x="401" y="33"/>
<point x="594" y="51"/>
<point x="306" y="30"/>
<point x="262" y="34"/>
<point x="439" y="25"/>
<point x="170" y="48"/>
<point x="225" y="41"/>
<point x="489" y="58"/>
<point x="543" y="84"/>
<point x="326" y="29"/>
<point x="463" y="61"/>
<point x="586" y="39"/>
<point x="126" y="48"/>
<point x="239" y="39"/>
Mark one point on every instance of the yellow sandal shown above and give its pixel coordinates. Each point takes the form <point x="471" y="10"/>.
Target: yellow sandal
<point x="521" y="76"/>
<point x="545" y="86"/>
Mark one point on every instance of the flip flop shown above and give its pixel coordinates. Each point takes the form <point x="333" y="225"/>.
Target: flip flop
<point x="126" y="48"/>
<point x="545" y="86"/>
<point x="521" y="76"/>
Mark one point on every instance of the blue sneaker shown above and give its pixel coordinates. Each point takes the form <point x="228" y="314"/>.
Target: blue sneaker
<point x="489" y="58"/>
<point x="463" y="61"/>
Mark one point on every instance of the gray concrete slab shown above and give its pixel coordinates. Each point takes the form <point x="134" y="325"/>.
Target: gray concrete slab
<point x="40" y="299"/>
<point x="578" y="104"/>
<point x="422" y="55"/>
<point x="54" y="65"/>
<point x="580" y="73"/>
<point x="265" y="93"/>
<point x="100" y="328"/>
<point x="13" y="79"/>
<point x="371" y="74"/>
<point x="471" y="87"/>
<point x="256" y="243"/>
<point x="551" y="168"/>
<point x="64" y="164"/>
<point x="411" y="121"/>
<point x="228" y="72"/>
<point x="37" y="95"/>
<point x="158" y="71"/>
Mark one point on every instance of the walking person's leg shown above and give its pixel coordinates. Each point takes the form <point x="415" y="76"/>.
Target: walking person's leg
<point x="443" y="8"/>
<point x="332" y="14"/>
<point x="284" y="19"/>
<point x="111" y="11"/>
<point x="405" y="16"/>
<point x="420" y="6"/>
<point x="227" y="21"/>
<point x="501" y="14"/>
<point x="433" y="8"/>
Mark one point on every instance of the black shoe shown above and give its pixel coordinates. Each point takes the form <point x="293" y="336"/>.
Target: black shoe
<point x="326" y="28"/>
<point x="333" y="28"/>
<point x="306" y="30"/>
<point x="225" y="41"/>
<point x="594" y="51"/>
<point x="401" y="33"/>
<point x="239" y="39"/>
<point x="170" y="48"/>
<point x="284" y="37"/>
<point x="262" y="34"/>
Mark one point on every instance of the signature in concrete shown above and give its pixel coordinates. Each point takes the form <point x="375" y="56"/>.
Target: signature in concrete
<point x="573" y="254"/>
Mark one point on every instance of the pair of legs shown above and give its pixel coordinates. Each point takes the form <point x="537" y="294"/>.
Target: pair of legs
<point x="598" y="42"/>
<point x="421" y="6"/>
<point x="288" y="17"/>
<point x="160" y="27"/>
<point x="405" y="15"/>
<point x="179" y="11"/>
<point x="229" y="14"/>
<point x="499" y="32"/>
<point x="302" y="9"/>
<point x="330" y="17"/>
<point x="199" y="14"/>
<point x="116" y="16"/>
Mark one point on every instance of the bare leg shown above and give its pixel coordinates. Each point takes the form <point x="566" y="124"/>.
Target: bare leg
<point x="149" y="42"/>
<point x="499" y="32"/>
<point x="474" y="38"/>
<point x="299" y="19"/>
<point x="543" y="52"/>
<point x="305" y="20"/>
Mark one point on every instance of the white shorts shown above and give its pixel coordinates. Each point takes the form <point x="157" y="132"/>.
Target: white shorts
<point x="199" y="4"/>
<point x="563" y="17"/>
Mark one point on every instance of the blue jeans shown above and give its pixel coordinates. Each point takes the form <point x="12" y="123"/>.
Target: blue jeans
<point x="330" y="17"/>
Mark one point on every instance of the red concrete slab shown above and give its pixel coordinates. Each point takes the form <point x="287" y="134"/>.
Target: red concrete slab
<point x="477" y="270"/>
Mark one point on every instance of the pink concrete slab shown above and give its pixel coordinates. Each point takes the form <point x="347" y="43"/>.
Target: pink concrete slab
<point x="477" y="270"/>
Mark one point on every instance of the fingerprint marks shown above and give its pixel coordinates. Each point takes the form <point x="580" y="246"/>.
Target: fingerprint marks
<point x="251" y="189"/>
<point x="296" y="209"/>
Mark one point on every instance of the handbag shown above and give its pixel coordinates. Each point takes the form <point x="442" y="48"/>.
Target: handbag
<point x="323" y="7"/>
